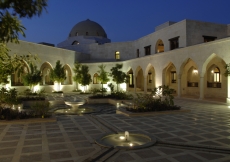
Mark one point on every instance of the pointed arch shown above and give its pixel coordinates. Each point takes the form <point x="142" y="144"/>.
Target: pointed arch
<point x="159" y="47"/>
<point x="17" y="76"/>
<point x="68" y="73"/>
<point x="46" y="67"/>
<point x="189" y="78"/>
<point x="139" y="79"/>
<point x="170" y="76"/>
<point x="95" y="79"/>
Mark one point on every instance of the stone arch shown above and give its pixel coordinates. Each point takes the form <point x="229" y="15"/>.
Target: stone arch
<point x="131" y="78"/>
<point x="46" y="68"/>
<point x="150" y="77"/>
<point x="68" y="73"/>
<point x="139" y="79"/>
<point x="17" y="76"/>
<point x="95" y="79"/>
<point x="189" y="78"/>
<point x="159" y="47"/>
<point x="215" y="83"/>
<point x="170" y="76"/>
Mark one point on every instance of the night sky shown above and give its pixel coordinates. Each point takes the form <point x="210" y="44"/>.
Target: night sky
<point x="122" y="20"/>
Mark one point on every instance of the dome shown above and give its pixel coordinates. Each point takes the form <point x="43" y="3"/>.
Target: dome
<point x="87" y="28"/>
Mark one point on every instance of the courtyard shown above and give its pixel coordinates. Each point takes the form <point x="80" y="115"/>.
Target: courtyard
<point x="200" y="135"/>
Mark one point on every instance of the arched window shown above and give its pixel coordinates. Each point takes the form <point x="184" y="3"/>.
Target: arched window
<point x="159" y="46"/>
<point x="76" y="34"/>
<point x="117" y="55"/>
<point x="95" y="79"/>
<point x="75" y="43"/>
<point x="216" y="74"/>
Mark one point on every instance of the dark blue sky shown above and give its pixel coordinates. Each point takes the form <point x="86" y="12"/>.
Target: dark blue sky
<point x="123" y="20"/>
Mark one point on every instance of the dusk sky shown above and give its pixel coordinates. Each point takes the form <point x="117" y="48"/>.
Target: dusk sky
<point x="122" y="20"/>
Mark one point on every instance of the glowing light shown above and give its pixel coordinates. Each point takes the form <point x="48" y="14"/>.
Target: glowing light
<point x="212" y="71"/>
<point x="122" y="137"/>
<point x="229" y="107"/>
<point x="68" y="109"/>
<point x="57" y="86"/>
<point x="195" y="71"/>
<point x="123" y="86"/>
<point x="130" y="144"/>
<point x="36" y="88"/>
<point x="65" y="111"/>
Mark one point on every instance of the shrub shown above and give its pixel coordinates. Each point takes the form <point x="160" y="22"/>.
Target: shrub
<point x="40" y="108"/>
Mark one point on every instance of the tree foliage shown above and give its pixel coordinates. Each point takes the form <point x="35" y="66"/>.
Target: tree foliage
<point x="11" y="11"/>
<point x="11" y="63"/>
<point x="103" y="75"/>
<point x="58" y="73"/>
<point x="11" y="27"/>
<point x="33" y="77"/>
<point x="118" y="75"/>
<point x="81" y="74"/>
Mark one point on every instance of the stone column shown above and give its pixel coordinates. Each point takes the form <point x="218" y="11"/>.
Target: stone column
<point x="135" y="82"/>
<point x="201" y="88"/>
<point x="228" y="92"/>
<point x="145" y="85"/>
<point x="179" y="86"/>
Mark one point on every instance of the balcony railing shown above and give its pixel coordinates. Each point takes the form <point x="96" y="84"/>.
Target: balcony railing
<point x="192" y="84"/>
<point x="213" y="84"/>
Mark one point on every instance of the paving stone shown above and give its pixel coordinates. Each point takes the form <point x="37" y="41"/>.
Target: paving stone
<point x="6" y="159"/>
<point x="57" y="147"/>
<point x="187" y="158"/>
<point x="32" y="149"/>
<point x="81" y="144"/>
<point x="83" y="152"/>
<point x="33" y="142"/>
<point x="124" y="157"/>
<point x="56" y="140"/>
<point x="170" y="151"/>
<point x="146" y="153"/>
<point x="7" y="151"/>
<point x="31" y="157"/>
<point x="10" y="138"/>
<point x="209" y="156"/>
<point x="8" y="144"/>
<point x="60" y="155"/>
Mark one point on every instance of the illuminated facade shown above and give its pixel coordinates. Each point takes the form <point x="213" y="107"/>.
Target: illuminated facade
<point x="189" y="56"/>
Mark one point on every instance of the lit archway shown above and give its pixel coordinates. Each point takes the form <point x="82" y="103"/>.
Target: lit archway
<point x="139" y="79"/>
<point x="45" y="70"/>
<point x="170" y="76"/>
<point x="159" y="46"/>
<point x="68" y="74"/>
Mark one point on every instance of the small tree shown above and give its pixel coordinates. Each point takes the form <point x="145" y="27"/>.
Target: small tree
<point x="58" y="73"/>
<point x="102" y="76"/>
<point x="82" y="74"/>
<point x="118" y="76"/>
<point x="33" y="77"/>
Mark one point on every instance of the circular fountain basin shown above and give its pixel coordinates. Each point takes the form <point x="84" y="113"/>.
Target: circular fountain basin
<point x="73" y="111"/>
<point x="135" y="141"/>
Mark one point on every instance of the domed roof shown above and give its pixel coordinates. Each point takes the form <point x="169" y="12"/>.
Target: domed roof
<point x="87" y="28"/>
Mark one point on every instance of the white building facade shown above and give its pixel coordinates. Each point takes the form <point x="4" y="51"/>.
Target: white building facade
<point x="188" y="56"/>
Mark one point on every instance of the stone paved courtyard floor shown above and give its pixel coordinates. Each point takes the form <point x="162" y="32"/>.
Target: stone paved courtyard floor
<point x="71" y="137"/>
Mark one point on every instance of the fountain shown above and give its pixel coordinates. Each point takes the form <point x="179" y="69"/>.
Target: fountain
<point x="74" y="108"/>
<point x="126" y="140"/>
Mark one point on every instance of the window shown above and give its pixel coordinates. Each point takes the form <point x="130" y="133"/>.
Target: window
<point x="173" y="77"/>
<point x="174" y="43"/>
<point x="131" y="80"/>
<point x="86" y="33"/>
<point x="150" y="77"/>
<point x="97" y="34"/>
<point x="75" y="43"/>
<point x="117" y="55"/>
<point x="148" y="50"/>
<point x="159" y="46"/>
<point x="95" y="79"/>
<point x="76" y="34"/>
<point x="138" y="53"/>
<point x="209" y="38"/>
<point x="216" y="73"/>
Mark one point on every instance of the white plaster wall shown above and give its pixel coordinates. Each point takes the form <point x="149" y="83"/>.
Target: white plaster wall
<point x="196" y="30"/>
